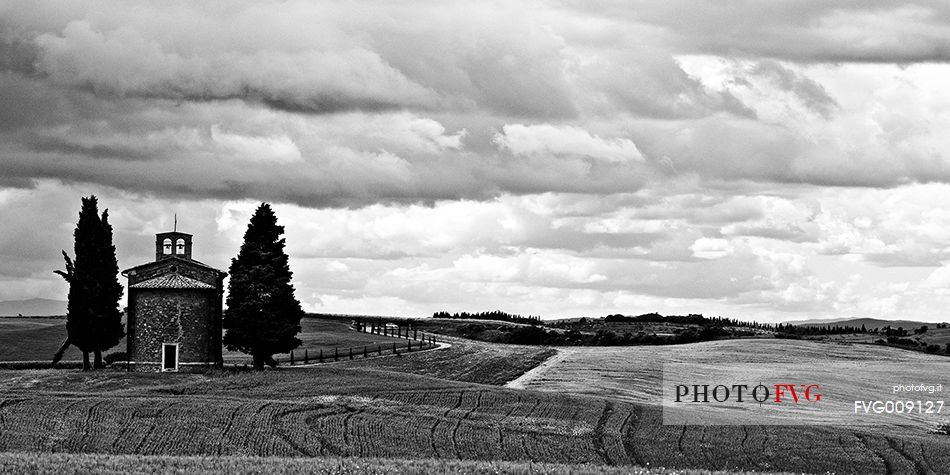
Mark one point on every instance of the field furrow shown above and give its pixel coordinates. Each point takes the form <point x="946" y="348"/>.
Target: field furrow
<point x="370" y="413"/>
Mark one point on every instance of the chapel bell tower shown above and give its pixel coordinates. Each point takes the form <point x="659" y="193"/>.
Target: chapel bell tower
<point x="172" y="244"/>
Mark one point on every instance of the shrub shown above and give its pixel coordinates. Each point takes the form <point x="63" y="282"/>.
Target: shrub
<point x="942" y="428"/>
<point x="527" y="335"/>
<point x="901" y="341"/>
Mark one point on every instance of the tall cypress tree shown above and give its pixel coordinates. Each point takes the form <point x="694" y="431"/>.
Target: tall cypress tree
<point x="263" y="316"/>
<point x="93" y="319"/>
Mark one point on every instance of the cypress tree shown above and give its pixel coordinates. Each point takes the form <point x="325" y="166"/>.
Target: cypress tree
<point x="263" y="316"/>
<point x="93" y="319"/>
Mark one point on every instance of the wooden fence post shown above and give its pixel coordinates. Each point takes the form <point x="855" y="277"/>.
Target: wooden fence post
<point x="394" y="349"/>
<point x="351" y="352"/>
<point x="379" y="350"/>
<point x="336" y="354"/>
<point x="410" y="347"/>
<point x="415" y="334"/>
<point x="291" y="357"/>
<point x="364" y="351"/>
<point x="321" y="355"/>
<point x="306" y="357"/>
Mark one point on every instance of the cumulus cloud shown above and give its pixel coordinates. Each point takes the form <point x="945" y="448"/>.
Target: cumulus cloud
<point x="565" y="140"/>
<point x="279" y="148"/>
<point x="711" y="248"/>
<point x="122" y="62"/>
<point x="298" y="56"/>
<point x="573" y="96"/>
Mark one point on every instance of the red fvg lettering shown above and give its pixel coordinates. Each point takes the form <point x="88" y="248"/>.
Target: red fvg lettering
<point x="780" y="390"/>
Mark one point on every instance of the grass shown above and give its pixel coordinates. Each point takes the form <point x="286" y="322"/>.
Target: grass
<point x="325" y="334"/>
<point x="28" y="463"/>
<point x="424" y="412"/>
<point x="341" y="410"/>
<point x="466" y="361"/>
<point x="846" y="373"/>
<point x="37" y="339"/>
<point x="34" y="339"/>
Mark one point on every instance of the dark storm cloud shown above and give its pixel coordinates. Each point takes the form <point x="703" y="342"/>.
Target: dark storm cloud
<point x="69" y="148"/>
<point x="16" y="54"/>
<point x="298" y="56"/>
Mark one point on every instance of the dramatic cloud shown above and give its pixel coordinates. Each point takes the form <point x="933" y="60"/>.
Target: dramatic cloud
<point x="122" y="62"/>
<point x="754" y="159"/>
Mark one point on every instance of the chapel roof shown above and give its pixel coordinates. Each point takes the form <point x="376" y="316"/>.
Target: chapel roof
<point x="171" y="281"/>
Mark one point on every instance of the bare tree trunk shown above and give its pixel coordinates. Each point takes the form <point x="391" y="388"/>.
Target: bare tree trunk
<point x="98" y="361"/>
<point x="85" y="361"/>
<point x="258" y="362"/>
<point x="59" y="353"/>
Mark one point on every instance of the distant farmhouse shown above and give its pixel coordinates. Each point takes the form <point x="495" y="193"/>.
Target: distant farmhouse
<point x="174" y="311"/>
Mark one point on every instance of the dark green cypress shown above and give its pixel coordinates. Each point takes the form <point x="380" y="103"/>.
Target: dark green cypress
<point x="93" y="319"/>
<point x="263" y="316"/>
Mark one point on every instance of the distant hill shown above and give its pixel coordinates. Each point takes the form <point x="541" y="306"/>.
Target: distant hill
<point x="857" y="322"/>
<point x="32" y="307"/>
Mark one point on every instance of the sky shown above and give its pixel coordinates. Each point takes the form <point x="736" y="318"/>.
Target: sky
<point x="768" y="160"/>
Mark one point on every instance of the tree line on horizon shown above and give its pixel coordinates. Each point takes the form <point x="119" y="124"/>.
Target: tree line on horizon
<point x="262" y="316"/>
<point x="493" y="315"/>
<point x="653" y="317"/>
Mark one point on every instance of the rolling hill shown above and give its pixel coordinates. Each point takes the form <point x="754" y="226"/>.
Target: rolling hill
<point x="422" y="412"/>
<point x="857" y="322"/>
<point x="385" y="411"/>
<point x="32" y="308"/>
